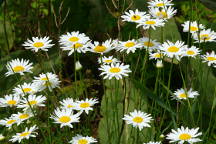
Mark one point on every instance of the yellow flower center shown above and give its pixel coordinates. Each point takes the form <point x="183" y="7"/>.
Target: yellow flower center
<point x="27" y="90"/>
<point x="108" y="61"/>
<point x="138" y="119"/>
<point x="73" y="39"/>
<point x="44" y="79"/>
<point x="162" y="14"/>
<point x="115" y="70"/>
<point x="130" y="44"/>
<point x="185" y="136"/>
<point x="160" y="4"/>
<point x="190" y="52"/>
<point x="18" y="68"/>
<point x="24" y="134"/>
<point x="38" y="44"/>
<point x="205" y="37"/>
<point x="173" y="49"/>
<point x="183" y="95"/>
<point x="100" y="48"/>
<point x="135" y="17"/>
<point x="11" y="102"/>
<point x="23" y="116"/>
<point x="193" y="28"/>
<point x="148" y="44"/>
<point x="64" y="119"/>
<point x="150" y="22"/>
<point x="77" y="45"/>
<point x="158" y="55"/>
<point x="84" y="105"/>
<point x="211" y="58"/>
<point x="70" y="106"/>
<point x="11" y="121"/>
<point x="82" y="141"/>
<point x="33" y="102"/>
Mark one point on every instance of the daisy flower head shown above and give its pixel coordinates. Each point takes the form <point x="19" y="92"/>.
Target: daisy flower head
<point x="20" y="117"/>
<point x="65" y="117"/>
<point x="47" y="80"/>
<point x="25" y="88"/>
<point x="210" y="58"/>
<point x="156" y="55"/>
<point x="29" y="132"/>
<point x="162" y="13"/>
<point x="79" y="139"/>
<point x="86" y="105"/>
<point x="192" y="26"/>
<point x="18" y="66"/>
<point x="117" y="71"/>
<point x="191" y="52"/>
<point x="180" y="94"/>
<point x="128" y="46"/>
<point x="102" y="48"/>
<point x="37" y="43"/>
<point x="173" y="49"/>
<point x="10" y="100"/>
<point x="182" y="135"/>
<point x="73" y="38"/>
<point x="8" y="122"/>
<point x="32" y="101"/>
<point x="151" y="142"/>
<point x="138" y="119"/>
<point x="160" y="3"/>
<point x="107" y="60"/>
<point x="149" y="43"/>
<point x="134" y="16"/>
<point x="151" y="23"/>
<point x="68" y="103"/>
<point x="205" y="36"/>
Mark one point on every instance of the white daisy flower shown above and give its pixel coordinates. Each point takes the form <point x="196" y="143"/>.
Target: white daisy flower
<point x="210" y="58"/>
<point x="192" y="26"/>
<point x="159" y="64"/>
<point x="151" y="23"/>
<point x="25" y="88"/>
<point x="134" y="16"/>
<point x="10" y="100"/>
<point x="138" y="119"/>
<point x="151" y="142"/>
<point x="191" y="52"/>
<point x="69" y="103"/>
<point x="114" y="70"/>
<point x="149" y="43"/>
<point x="20" y="117"/>
<point x="73" y="38"/>
<point x="8" y="122"/>
<point x="105" y="47"/>
<point x="86" y="105"/>
<point x="33" y="101"/>
<point x="160" y="3"/>
<point x="79" y="139"/>
<point x="128" y="46"/>
<point x="182" y="135"/>
<point x="205" y="36"/>
<point x="107" y="60"/>
<point x="18" y="66"/>
<point x="79" y="47"/>
<point x="173" y="49"/>
<point x="47" y="80"/>
<point x="78" y="66"/>
<point x="162" y="13"/>
<point x="180" y="94"/>
<point x="37" y="43"/>
<point x="65" y="117"/>
<point x="156" y="55"/>
<point x="2" y="137"/>
<point x="29" y="132"/>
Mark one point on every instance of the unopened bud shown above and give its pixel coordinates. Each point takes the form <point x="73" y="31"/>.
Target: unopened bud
<point x="159" y="64"/>
<point x="78" y="66"/>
